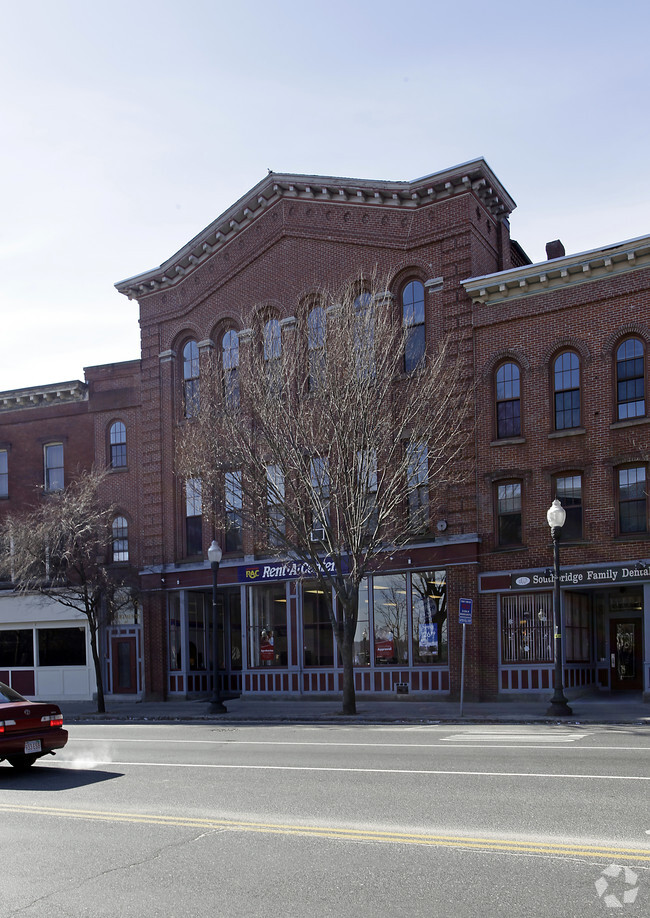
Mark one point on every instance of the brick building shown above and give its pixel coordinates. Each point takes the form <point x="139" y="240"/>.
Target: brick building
<point x="558" y="354"/>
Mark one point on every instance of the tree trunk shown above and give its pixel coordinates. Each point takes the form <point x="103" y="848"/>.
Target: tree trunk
<point x="349" y="695"/>
<point x="101" y="704"/>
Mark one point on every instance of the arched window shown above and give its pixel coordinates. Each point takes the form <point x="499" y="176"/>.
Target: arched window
<point x="120" y="539"/>
<point x="316" y="346"/>
<point x="272" y="353"/>
<point x="566" y="388"/>
<point x="364" y="336"/>
<point x="230" y="364"/>
<point x="117" y="437"/>
<point x="191" y="379"/>
<point x="630" y="379"/>
<point x="508" y="401"/>
<point x="413" y="322"/>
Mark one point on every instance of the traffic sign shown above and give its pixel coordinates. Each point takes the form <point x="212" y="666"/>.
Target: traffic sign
<point x="465" y="611"/>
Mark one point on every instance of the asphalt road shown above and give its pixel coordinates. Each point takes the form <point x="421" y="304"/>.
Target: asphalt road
<point x="198" y="820"/>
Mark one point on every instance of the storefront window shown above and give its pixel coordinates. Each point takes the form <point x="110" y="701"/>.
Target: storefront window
<point x="17" y="647"/>
<point x="234" y="604"/>
<point x="577" y="629"/>
<point x="362" y="634"/>
<point x="389" y="606"/>
<point x="527" y="628"/>
<point x="175" y="653"/>
<point x="197" y="630"/>
<point x="61" y="646"/>
<point x="429" y="614"/>
<point x="318" y="639"/>
<point x="267" y="625"/>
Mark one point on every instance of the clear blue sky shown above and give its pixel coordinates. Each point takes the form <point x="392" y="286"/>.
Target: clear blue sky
<point x="127" y="127"/>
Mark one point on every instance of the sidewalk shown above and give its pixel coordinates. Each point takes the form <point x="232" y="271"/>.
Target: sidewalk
<point x="587" y="709"/>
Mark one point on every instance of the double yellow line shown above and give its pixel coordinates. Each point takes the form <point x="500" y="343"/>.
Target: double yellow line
<point x="511" y="846"/>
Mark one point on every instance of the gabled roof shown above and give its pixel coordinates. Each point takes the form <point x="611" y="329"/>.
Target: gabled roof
<point x="608" y="261"/>
<point x="475" y="175"/>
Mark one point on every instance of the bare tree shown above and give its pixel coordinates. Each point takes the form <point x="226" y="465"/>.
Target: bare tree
<point x="338" y="451"/>
<point x="61" y="549"/>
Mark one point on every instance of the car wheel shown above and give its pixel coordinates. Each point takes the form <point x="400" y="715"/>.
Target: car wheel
<point x="22" y="762"/>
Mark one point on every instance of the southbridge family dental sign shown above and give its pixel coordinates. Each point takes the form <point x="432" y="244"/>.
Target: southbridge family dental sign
<point x="583" y="576"/>
<point x="282" y="570"/>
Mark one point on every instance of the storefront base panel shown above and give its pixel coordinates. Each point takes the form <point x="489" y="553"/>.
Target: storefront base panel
<point x="540" y="678"/>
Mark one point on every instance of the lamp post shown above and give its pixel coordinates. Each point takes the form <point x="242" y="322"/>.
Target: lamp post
<point x="216" y="704"/>
<point x="559" y="706"/>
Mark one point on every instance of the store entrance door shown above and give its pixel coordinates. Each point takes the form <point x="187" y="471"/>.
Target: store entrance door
<point x="124" y="654"/>
<point x="626" y="654"/>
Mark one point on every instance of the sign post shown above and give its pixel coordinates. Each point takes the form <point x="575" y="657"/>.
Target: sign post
<point x="464" y="618"/>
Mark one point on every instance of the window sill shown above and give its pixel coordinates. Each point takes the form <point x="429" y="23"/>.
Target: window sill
<point x="633" y="537"/>
<point x="508" y="441"/>
<point x="569" y="432"/>
<point x="504" y="549"/>
<point x="629" y="422"/>
<point x="118" y="469"/>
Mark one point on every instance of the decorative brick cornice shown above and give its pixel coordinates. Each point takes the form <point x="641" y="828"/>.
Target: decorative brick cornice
<point x="39" y="396"/>
<point x="571" y="270"/>
<point x="475" y="176"/>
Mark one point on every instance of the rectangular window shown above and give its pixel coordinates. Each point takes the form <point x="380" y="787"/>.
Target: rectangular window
<point x="577" y="630"/>
<point x="234" y="504"/>
<point x="198" y="632"/>
<point x="429" y="642"/>
<point x="17" y="647"/>
<point x="4" y="473"/>
<point x="367" y="481"/>
<point x="320" y="491"/>
<point x="318" y="639"/>
<point x="527" y="628"/>
<point x="509" y="513"/>
<point x="61" y="646"/>
<point x="193" y="517"/>
<point x="568" y="489"/>
<point x="362" y="648"/>
<point x="632" y="509"/>
<point x="175" y="632"/>
<point x="267" y="625"/>
<point x="418" y="486"/>
<point x="389" y="617"/>
<point x="54" y="467"/>
<point x="275" y="505"/>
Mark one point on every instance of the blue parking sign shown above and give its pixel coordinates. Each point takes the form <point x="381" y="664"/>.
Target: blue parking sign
<point x="465" y="611"/>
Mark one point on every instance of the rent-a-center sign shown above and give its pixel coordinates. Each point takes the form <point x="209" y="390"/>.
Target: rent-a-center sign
<point x="282" y="570"/>
<point x="582" y="576"/>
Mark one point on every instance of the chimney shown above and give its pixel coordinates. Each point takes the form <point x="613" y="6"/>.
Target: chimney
<point x="554" y="249"/>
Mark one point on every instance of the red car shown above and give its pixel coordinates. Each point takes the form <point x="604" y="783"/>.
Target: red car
<point x="28" y="729"/>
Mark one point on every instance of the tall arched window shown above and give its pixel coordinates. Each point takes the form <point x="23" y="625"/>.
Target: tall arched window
<point x="413" y="322"/>
<point x="272" y="354"/>
<point x="508" y="402"/>
<point x="191" y="379"/>
<point x="566" y="388"/>
<point x="230" y="364"/>
<point x="316" y="345"/>
<point x="630" y="379"/>
<point x="120" y="539"/>
<point x="117" y="437"/>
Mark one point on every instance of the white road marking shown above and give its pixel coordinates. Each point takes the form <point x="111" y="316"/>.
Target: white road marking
<point x="373" y="771"/>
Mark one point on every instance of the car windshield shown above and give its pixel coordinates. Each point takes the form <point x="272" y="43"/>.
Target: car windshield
<point x="7" y="694"/>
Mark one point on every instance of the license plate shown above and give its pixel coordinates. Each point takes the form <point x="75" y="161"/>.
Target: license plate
<point x="33" y="746"/>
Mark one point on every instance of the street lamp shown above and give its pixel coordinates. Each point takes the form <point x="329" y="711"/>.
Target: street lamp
<point x="216" y="704"/>
<point x="559" y="706"/>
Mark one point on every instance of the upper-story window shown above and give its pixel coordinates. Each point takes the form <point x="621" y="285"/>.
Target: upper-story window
<point x="316" y="346"/>
<point x="234" y="507"/>
<point x="117" y="436"/>
<point x="632" y="500"/>
<point x="367" y="481"/>
<point x="4" y="473"/>
<point x="272" y="342"/>
<point x="566" y="386"/>
<point x="53" y="457"/>
<point x="120" y="539"/>
<point x="568" y="490"/>
<point x="508" y="399"/>
<point x="191" y="379"/>
<point x="630" y="379"/>
<point x="193" y="517"/>
<point x="230" y="365"/>
<point x="320" y="487"/>
<point x="364" y="336"/>
<point x="275" y="505"/>
<point x="418" y="486"/>
<point x="509" y="513"/>
<point x="413" y="322"/>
